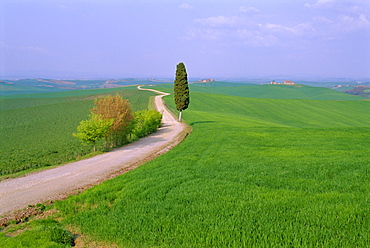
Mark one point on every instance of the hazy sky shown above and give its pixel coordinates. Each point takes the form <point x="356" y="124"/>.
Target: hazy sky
<point x="145" y="38"/>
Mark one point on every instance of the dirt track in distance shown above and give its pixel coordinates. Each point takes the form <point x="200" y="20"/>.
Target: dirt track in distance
<point x="62" y="181"/>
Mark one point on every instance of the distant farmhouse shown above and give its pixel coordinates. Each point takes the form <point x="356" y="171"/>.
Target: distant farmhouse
<point x="206" y="80"/>
<point x="287" y="82"/>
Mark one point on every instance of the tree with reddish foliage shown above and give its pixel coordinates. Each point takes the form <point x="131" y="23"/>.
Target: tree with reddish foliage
<point x="118" y="109"/>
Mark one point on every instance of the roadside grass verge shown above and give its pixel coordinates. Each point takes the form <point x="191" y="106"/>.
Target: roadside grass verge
<point x="253" y="173"/>
<point x="37" y="233"/>
<point x="37" y="132"/>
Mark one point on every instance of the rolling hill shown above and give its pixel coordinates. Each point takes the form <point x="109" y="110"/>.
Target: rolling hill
<point x="254" y="172"/>
<point x="36" y="129"/>
<point x="41" y="85"/>
<point x="276" y="92"/>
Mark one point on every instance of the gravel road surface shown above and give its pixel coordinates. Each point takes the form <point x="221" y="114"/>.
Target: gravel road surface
<point x="59" y="182"/>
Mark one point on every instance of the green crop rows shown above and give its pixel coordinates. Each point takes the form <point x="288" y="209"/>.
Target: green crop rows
<point x="302" y="92"/>
<point x="37" y="131"/>
<point x="253" y="173"/>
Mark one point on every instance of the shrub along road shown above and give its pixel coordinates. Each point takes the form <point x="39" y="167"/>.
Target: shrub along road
<point x="60" y="182"/>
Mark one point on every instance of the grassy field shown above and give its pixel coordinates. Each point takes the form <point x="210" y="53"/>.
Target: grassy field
<point x="269" y="91"/>
<point x="36" y="129"/>
<point x="295" y="92"/>
<point x="253" y="173"/>
<point x="9" y="89"/>
<point x="38" y="85"/>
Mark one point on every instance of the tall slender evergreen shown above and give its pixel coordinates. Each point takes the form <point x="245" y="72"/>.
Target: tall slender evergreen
<point x="181" y="89"/>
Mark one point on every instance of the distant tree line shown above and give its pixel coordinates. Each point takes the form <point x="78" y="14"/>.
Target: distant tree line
<point x="112" y="119"/>
<point x="358" y="91"/>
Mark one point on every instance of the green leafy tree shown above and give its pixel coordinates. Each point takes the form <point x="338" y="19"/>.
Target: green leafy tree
<point x="146" y="122"/>
<point x="89" y="131"/>
<point x="181" y="89"/>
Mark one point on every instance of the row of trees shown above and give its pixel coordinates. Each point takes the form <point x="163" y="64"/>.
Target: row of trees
<point x="358" y="91"/>
<point x="112" y="119"/>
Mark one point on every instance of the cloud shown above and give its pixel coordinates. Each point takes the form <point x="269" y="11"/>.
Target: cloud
<point x="256" y="38"/>
<point x="319" y="3"/>
<point x="63" y="7"/>
<point x="217" y="21"/>
<point x="37" y="50"/>
<point x="342" y="19"/>
<point x="4" y="45"/>
<point x="277" y="27"/>
<point x="28" y="49"/>
<point x="205" y="34"/>
<point x="353" y="23"/>
<point x="336" y="21"/>
<point x="299" y="29"/>
<point x="354" y="18"/>
<point x="322" y="19"/>
<point x="243" y="30"/>
<point x="186" y="6"/>
<point x="244" y="9"/>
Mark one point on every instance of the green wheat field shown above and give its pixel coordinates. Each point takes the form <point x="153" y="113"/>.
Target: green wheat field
<point x="264" y="166"/>
<point x="36" y="129"/>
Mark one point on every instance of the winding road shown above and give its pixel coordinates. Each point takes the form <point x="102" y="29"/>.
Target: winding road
<point x="62" y="181"/>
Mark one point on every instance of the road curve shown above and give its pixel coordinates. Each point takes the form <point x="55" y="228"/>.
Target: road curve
<point x="59" y="182"/>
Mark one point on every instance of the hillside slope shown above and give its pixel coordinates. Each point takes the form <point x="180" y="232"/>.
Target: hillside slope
<point x="281" y="112"/>
<point x="36" y="129"/>
<point x="61" y="181"/>
<point x="253" y="173"/>
<point x="277" y="92"/>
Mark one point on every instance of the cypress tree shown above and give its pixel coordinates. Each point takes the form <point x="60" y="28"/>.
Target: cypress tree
<point x="181" y="89"/>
